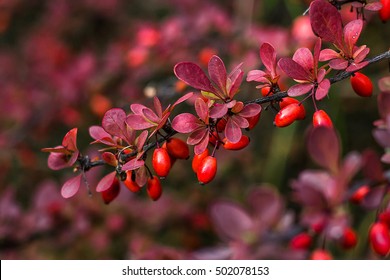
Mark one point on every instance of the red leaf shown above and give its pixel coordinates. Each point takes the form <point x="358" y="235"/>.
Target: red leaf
<point x="138" y="122"/>
<point x="304" y="57"/>
<point x="202" y="110"/>
<point x="141" y="139"/>
<point x="106" y="182"/>
<point x="372" y="167"/>
<point x="234" y="81"/>
<point x="351" y="34"/>
<point x="71" y="186"/>
<point x="58" y="150"/>
<point x="150" y="115"/>
<point x="328" y="54"/>
<point x="182" y="99"/>
<point x="193" y="75"/>
<point x="69" y="141"/>
<point x="374" y="198"/>
<point x="324" y="147"/>
<point x="326" y="22"/>
<point x="299" y="89"/>
<point x="230" y="220"/>
<point x="196" y="136"/>
<point x="114" y="122"/>
<point x="202" y="145"/>
<point x="141" y="176"/>
<point x="101" y="136"/>
<point x="185" y="123"/>
<point x="157" y="107"/>
<point x="57" y="161"/>
<point x="217" y="72"/>
<point x="218" y="110"/>
<point x="293" y="69"/>
<point x="338" y="64"/>
<point x="375" y="6"/>
<point x="268" y="57"/>
<point x="110" y="158"/>
<point x="133" y="164"/>
<point x="250" y="110"/>
<point x="322" y="89"/>
<point x="137" y="108"/>
<point x="233" y="131"/>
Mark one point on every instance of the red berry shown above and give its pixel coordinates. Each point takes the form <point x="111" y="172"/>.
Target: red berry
<point x="361" y="84"/>
<point x="130" y="182"/>
<point x="265" y="91"/>
<point x="112" y="192"/>
<point x="384" y="13"/>
<point x="379" y="238"/>
<point x="241" y="144"/>
<point x="321" y="254"/>
<point x="177" y="148"/>
<point x="161" y="162"/>
<point x="197" y="159"/>
<point x="321" y="118"/>
<point x="253" y="121"/>
<point x="288" y="115"/>
<point x="301" y="241"/>
<point x="207" y="170"/>
<point x="359" y="194"/>
<point x="289" y="100"/>
<point x="349" y="238"/>
<point x="153" y="188"/>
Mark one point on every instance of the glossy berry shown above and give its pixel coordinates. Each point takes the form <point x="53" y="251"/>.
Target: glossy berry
<point x="301" y="241"/>
<point x="241" y="144"/>
<point x="130" y="182"/>
<point x="348" y="239"/>
<point x="161" y="162"/>
<point x="197" y="159"/>
<point x="112" y="192"/>
<point x="253" y="121"/>
<point x="265" y="91"/>
<point x="153" y="188"/>
<point x="177" y="148"/>
<point x="361" y="84"/>
<point x="288" y="115"/>
<point x="207" y="170"/>
<point x="321" y="118"/>
<point x="384" y="13"/>
<point x="358" y="195"/>
<point x="379" y="238"/>
<point x="320" y="254"/>
<point x="289" y="100"/>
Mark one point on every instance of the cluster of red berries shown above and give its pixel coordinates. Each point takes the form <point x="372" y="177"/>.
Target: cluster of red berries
<point x="305" y="240"/>
<point x="379" y="232"/>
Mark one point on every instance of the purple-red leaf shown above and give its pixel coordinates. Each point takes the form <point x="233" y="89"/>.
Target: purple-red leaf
<point x="57" y="161"/>
<point x="110" y="158"/>
<point x="351" y="34"/>
<point x="338" y="64"/>
<point x="58" y="150"/>
<point x="257" y="76"/>
<point x="250" y="110"/>
<point x="324" y="147"/>
<point x="230" y="220"/>
<point x="293" y="69"/>
<point x="193" y="75"/>
<point x="182" y="99"/>
<point x="234" y="81"/>
<point x="372" y="167"/>
<point x="299" y="89"/>
<point x="157" y="106"/>
<point x="218" y="110"/>
<point x="375" y="6"/>
<point x="137" y="108"/>
<point x="196" y="136"/>
<point x="233" y="131"/>
<point x="268" y="57"/>
<point x="322" y="89"/>
<point x="150" y="115"/>
<point x="141" y="139"/>
<point x="304" y="57"/>
<point x="185" y="123"/>
<point x="217" y="72"/>
<point x="106" y="182"/>
<point x="326" y="22"/>
<point x="138" y="122"/>
<point x="202" y="145"/>
<point x="98" y="133"/>
<point x="374" y="198"/>
<point x="133" y="164"/>
<point x="202" y="110"/>
<point x="114" y="122"/>
<point x="71" y="186"/>
<point x="328" y="54"/>
<point x="69" y="141"/>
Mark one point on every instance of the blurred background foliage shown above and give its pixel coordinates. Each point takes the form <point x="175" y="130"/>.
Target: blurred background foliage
<point x="64" y="63"/>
